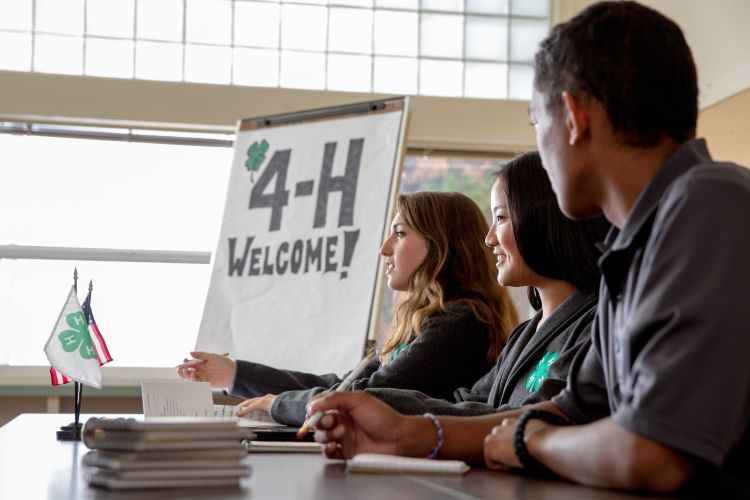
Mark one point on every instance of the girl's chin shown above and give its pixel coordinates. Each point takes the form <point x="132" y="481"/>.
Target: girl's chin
<point x="503" y="280"/>
<point x="394" y="286"/>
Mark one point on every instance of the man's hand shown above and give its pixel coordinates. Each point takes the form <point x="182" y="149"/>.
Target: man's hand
<point x="359" y="423"/>
<point x="499" y="452"/>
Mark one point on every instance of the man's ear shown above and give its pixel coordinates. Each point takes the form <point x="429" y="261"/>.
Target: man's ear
<point x="576" y="117"/>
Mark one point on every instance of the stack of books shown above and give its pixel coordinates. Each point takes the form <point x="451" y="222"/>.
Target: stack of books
<point x="165" y="453"/>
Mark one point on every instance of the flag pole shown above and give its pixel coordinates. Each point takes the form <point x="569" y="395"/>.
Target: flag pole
<point x="79" y="387"/>
<point x="72" y="432"/>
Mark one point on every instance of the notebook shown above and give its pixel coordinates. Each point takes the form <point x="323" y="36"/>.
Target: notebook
<point x="389" y="464"/>
<point x="105" y="480"/>
<point x="282" y="434"/>
<point x="252" y="446"/>
<point x="170" y="459"/>
<point x="178" y="398"/>
<point x="177" y="433"/>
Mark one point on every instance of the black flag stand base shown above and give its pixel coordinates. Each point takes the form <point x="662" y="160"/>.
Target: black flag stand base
<point x="72" y="431"/>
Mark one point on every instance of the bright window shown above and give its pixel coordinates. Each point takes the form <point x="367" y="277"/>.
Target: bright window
<point x="87" y="193"/>
<point x="285" y="43"/>
<point x="83" y="193"/>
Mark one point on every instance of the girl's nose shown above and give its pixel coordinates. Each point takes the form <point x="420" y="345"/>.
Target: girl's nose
<point x="491" y="238"/>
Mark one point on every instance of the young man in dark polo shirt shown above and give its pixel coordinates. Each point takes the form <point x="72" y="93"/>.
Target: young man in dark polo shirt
<point x="661" y="401"/>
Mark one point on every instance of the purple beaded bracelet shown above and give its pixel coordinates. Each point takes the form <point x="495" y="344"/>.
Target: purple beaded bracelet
<point x="435" y="453"/>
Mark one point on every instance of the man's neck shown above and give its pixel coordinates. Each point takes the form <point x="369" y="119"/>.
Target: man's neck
<point x="625" y="173"/>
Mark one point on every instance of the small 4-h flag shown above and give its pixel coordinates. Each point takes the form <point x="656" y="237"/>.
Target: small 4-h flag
<point x="69" y="348"/>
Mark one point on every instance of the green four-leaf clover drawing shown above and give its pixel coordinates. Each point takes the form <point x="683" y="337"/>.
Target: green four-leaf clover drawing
<point x="256" y="155"/>
<point x="540" y="372"/>
<point x="77" y="337"/>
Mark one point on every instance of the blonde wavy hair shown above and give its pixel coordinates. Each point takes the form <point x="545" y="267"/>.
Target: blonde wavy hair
<point x="459" y="269"/>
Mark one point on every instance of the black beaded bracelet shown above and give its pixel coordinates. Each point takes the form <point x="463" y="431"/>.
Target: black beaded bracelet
<point x="519" y="444"/>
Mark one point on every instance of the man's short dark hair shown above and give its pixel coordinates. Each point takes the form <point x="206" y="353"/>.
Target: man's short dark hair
<point x="633" y="60"/>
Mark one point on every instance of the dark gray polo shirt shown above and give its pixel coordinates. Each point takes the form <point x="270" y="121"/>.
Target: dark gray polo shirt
<point x="670" y="354"/>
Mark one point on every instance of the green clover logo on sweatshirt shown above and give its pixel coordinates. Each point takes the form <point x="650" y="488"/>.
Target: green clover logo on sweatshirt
<point x="540" y="372"/>
<point x="78" y="337"/>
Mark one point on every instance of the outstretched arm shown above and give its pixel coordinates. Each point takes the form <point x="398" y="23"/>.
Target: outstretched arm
<point x="597" y="454"/>
<point x="216" y="369"/>
<point x="360" y="423"/>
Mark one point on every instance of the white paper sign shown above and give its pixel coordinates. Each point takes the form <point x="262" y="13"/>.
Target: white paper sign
<point x="295" y="268"/>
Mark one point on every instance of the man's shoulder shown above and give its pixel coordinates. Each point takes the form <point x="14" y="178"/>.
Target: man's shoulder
<point x="712" y="178"/>
<point x="721" y="188"/>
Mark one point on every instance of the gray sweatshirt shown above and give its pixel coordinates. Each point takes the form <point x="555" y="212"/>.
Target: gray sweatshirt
<point x="449" y="352"/>
<point x="533" y="367"/>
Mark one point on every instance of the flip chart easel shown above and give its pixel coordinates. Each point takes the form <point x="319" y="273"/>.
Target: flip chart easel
<point x="296" y="277"/>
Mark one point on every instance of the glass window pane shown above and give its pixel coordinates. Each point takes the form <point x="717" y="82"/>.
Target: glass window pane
<point x="398" y="4"/>
<point x="58" y="54"/>
<point x="444" y="5"/>
<point x="349" y="73"/>
<point x="59" y="16"/>
<point x="486" y="80"/>
<point x="303" y="27"/>
<point x="160" y="20"/>
<point x="500" y="7"/>
<point x="441" y="35"/>
<point x="209" y="21"/>
<point x="158" y="61"/>
<point x="110" y="18"/>
<point x="302" y="70"/>
<point x="126" y="191"/>
<point x="18" y="59"/>
<point x="112" y="58"/>
<point x="256" y="24"/>
<point x="536" y="8"/>
<point x="446" y="174"/>
<point x="358" y="3"/>
<point x="525" y="37"/>
<point x="395" y="75"/>
<point x="207" y="64"/>
<point x="350" y="30"/>
<point x="15" y="15"/>
<point x="256" y="67"/>
<point x="442" y="78"/>
<point x="396" y="33"/>
<point x="148" y="313"/>
<point x="521" y="82"/>
<point x="487" y="38"/>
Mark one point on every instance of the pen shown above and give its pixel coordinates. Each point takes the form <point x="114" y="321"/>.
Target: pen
<point x="193" y="362"/>
<point x="343" y="386"/>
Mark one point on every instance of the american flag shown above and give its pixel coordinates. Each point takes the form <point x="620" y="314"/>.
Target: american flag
<point x="102" y="352"/>
<point x="100" y="346"/>
<point x="57" y="377"/>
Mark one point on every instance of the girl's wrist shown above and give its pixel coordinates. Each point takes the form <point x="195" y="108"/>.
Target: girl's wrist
<point x="231" y="375"/>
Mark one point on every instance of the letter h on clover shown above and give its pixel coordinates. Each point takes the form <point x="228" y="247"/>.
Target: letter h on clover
<point x="78" y="337"/>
